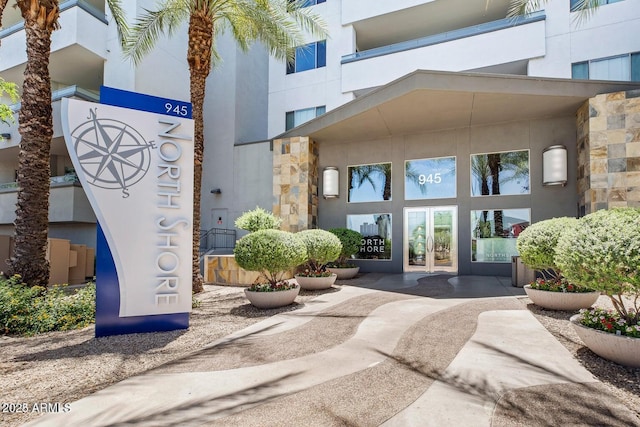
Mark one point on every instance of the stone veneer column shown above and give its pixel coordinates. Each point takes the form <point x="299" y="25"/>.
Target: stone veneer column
<point x="608" y="135"/>
<point x="295" y="183"/>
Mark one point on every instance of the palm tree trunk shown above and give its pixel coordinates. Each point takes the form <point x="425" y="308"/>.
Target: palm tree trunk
<point x="199" y="59"/>
<point x="36" y="128"/>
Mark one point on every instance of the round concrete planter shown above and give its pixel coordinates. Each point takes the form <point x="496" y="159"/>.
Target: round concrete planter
<point x="344" y="273"/>
<point x="272" y="299"/>
<point x="617" y="348"/>
<point x="566" y="301"/>
<point x="313" y="283"/>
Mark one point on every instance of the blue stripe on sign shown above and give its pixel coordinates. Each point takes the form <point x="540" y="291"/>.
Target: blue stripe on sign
<point x="108" y="320"/>
<point x="142" y="102"/>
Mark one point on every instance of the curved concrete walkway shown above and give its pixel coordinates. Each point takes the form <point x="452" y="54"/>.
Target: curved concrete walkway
<point x="393" y="350"/>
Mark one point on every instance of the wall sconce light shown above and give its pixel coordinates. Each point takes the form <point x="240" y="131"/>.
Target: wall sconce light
<point x="330" y="182"/>
<point x="6" y="136"/>
<point x="554" y="165"/>
<point x="216" y="191"/>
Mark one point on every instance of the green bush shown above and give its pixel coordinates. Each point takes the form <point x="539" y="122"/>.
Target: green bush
<point x="270" y="252"/>
<point x="537" y="243"/>
<point x="30" y="310"/>
<point x="322" y="247"/>
<point x="258" y="219"/>
<point x="351" y="241"/>
<point x="603" y="253"/>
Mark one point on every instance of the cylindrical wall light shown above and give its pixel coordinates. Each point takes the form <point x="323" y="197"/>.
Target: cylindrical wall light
<point x="554" y="165"/>
<point x="330" y="182"/>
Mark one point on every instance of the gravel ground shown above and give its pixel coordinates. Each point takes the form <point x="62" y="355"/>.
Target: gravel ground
<point x="62" y="367"/>
<point x="623" y="382"/>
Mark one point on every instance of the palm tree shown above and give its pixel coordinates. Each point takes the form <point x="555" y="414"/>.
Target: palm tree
<point x="36" y="130"/>
<point x="358" y="175"/>
<point x="279" y="24"/>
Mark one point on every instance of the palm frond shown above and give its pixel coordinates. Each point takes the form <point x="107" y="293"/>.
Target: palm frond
<point x="148" y="28"/>
<point x="119" y="17"/>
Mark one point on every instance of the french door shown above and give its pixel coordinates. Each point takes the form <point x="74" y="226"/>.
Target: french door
<point x="430" y="239"/>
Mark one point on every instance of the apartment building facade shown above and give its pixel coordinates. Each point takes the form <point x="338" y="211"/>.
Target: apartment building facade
<point x="356" y="103"/>
<point x="441" y="170"/>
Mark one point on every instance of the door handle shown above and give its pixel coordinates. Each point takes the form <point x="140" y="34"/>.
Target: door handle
<point x="429" y="244"/>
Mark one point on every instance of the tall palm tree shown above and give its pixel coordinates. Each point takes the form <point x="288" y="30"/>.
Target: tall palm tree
<point x="279" y="24"/>
<point x="36" y="130"/>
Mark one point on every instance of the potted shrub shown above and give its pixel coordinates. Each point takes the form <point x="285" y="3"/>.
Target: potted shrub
<point x="322" y="247"/>
<point x="351" y="241"/>
<point x="270" y="252"/>
<point x="537" y="248"/>
<point x="603" y="253"/>
<point x="258" y="219"/>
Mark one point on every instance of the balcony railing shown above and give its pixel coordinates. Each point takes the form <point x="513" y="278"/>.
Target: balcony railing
<point x="460" y="33"/>
<point x="64" y="6"/>
<point x="55" y="180"/>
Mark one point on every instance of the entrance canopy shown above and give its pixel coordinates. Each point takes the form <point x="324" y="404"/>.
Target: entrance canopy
<point x="435" y="100"/>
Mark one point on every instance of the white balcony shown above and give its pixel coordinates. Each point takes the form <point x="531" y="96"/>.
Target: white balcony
<point x="12" y="137"/>
<point x="78" y="48"/>
<point x="482" y="46"/>
<point x="380" y="23"/>
<point x="67" y="202"/>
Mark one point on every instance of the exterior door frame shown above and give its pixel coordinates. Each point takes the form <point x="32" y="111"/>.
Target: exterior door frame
<point x="431" y="264"/>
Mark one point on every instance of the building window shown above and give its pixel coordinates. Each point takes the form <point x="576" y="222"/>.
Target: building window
<point x="500" y="174"/>
<point x="298" y="117"/>
<point x="577" y="4"/>
<point x="618" y="68"/>
<point x="308" y="57"/>
<point x="376" y="235"/>
<point x="369" y="183"/>
<point x="494" y="233"/>
<point x="433" y="178"/>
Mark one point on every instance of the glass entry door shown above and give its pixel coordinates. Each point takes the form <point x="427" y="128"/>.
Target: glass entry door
<point x="430" y="239"/>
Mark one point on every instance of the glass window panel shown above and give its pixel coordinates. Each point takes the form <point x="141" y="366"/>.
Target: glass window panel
<point x="505" y="173"/>
<point x="376" y="232"/>
<point x="290" y="120"/>
<point x="618" y="68"/>
<point x="321" y="110"/>
<point x="635" y="67"/>
<point x="321" y="59"/>
<point x="303" y="116"/>
<point x="306" y="57"/>
<point x="580" y="70"/>
<point x="494" y="233"/>
<point x="370" y="183"/>
<point x="433" y="178"/>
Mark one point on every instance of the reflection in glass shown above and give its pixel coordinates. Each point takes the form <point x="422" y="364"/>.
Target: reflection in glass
<point x="370" y="183"/>
<point x="430" y="178"/>
<point x="376" y="232"/>
<point x="494" y="233"/>
<point x="495" y="174"/>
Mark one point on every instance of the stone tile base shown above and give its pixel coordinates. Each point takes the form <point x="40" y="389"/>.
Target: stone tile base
<point x="223" y="270"/>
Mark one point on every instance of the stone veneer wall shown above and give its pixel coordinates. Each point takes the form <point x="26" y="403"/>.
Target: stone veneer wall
<point x="295" y="183"/>
<point x="608" y="135"/>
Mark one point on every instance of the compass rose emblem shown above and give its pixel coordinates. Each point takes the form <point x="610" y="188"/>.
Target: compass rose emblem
<point x="112" y="154"/>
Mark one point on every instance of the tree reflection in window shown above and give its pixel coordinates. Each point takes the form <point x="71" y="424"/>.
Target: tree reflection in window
<point x="370" y="183"/>
<point x="494" y="174"/>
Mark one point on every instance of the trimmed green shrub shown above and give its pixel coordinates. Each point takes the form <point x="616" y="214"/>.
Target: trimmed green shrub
<point x="351" y="241"/>
<point x="31" y="310"/>
<point x="603" y="253"/>
<point x="270" y="252"/>
<point x="322" y="247"/>
<point x="537" y="243"/>
<point x="258" y="219"/>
